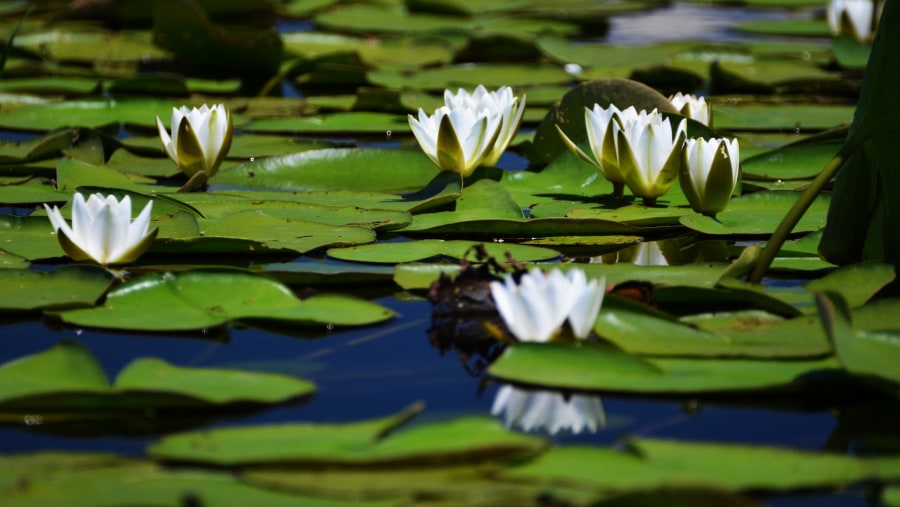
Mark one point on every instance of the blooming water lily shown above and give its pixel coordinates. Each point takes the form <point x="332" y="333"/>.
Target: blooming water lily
<point x="710" y="173"/>
<point x="858" y="18"/>
<point x="501" y="102"/>
<point x="201" y="137"/>
<point x="649" y="154"/>
<point x="102" y="229"/>
<point x="534" y="410"/>
<point x="535" y="309"/>
<point x="695" y="108"/>
<point x="469" y="130"/>
<point x="598" y="126"/>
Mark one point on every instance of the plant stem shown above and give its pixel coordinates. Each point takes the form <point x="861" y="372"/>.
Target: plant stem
<point x="796" y="213"/>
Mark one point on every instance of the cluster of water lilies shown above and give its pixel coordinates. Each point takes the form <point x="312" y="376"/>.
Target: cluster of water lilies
<point x="647" y="153"/>
<point x="856" y="18"/>
<point x="639" y="149"/>
<point x="102" y="230"/>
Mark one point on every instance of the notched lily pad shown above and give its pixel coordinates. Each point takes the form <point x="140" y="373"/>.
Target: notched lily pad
<point x="179" y="302"/>
<point x="67" y="378"/>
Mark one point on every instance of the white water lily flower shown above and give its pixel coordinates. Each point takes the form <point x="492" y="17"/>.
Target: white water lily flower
<point x="695" y="108"/>
<point x="710" y="173"/>
<point x="102" y="229"/>
<point x="597" y="122"/>
<point x="456" y="139"/>
<point x="501" y="102"/>
<point x="201" y="137"/>
<point x="649" y="154"/>
<point x="588" y="300"/>
<point x="536" y="308"/>
<point x="549" y="410"/>
<point x="858" y="18"/>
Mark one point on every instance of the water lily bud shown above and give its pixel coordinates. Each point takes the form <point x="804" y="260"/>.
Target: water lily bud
<point x="857" y="18"/>
<point x="102" y="229"/>
<point x="650" y="154"/>
<point x="536" y="308"/>
<point x="710" y="173"/>
<point x="695" y="108"/>
<point x="201" y="137"/>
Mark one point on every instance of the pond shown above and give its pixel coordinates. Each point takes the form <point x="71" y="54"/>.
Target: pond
<point x="285" y="338"/>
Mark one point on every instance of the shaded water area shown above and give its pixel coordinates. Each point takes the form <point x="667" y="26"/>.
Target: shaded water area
<point x="379" y="368"/>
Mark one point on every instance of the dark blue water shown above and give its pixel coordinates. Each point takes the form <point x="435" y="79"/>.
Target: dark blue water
<point x="372" y="372"/>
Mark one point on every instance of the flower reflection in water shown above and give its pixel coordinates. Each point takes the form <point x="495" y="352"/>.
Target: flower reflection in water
<point x="548" y="411"/>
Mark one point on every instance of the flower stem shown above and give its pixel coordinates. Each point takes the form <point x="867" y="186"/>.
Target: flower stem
<point x="796" y="213"/>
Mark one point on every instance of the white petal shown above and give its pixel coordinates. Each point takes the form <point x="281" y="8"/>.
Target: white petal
<point x="509" y="305"/>
<point x="588" y="300"/>
<point x="83" y="218"/>
<point x="117" y="242"/>
<point x="60" y="226"/>
<point x="167" y="142"/>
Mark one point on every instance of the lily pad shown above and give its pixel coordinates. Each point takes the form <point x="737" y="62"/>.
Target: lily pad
<point x="63" y="287"/>
<point x="59" y="480"/>
<point x="561" y="366"/>
<point x="336" y="123"/>
<point x="88" y="113"/>
<point x="651" y="463"/>
<point x="485" y="208"/>
<point x="759" y="213"/>
<point x="799" y="160"/>
<point x="180" y="302"/>
<point x="856" y="283"/>
<point x="640" y="330"/>
<point x="373" y="443"/>
<point x="788" y="117"/>
<point x="469" y="76"/>
<point x="360" y="169"/>
<point x="424" y="249"/>
<point x="862" y="352"/>
<point x="67" y="377"/>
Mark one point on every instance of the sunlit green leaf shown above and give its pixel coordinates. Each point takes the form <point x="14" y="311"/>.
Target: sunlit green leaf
<point x="174" y="302"/>
<point x="66" y="286"/>
<point x="576" y="367"/>
<point x="360" y="443"/>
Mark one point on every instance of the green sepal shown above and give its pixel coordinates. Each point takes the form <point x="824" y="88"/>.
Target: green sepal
<point x="609" y="159"/>
<point x="719" y="184"/>
<point x="575" y="149"/>
<point x="628" y="167"/>
<point x="449" y="152"/>
<point x="71" y="249"/>
<point x="188" y="149"/>
<point x="137" y="250"/>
